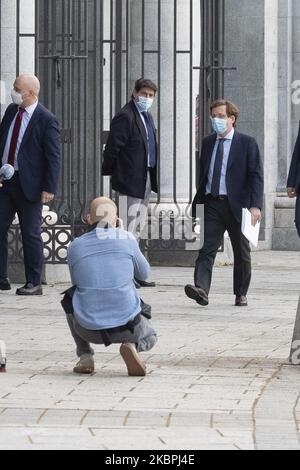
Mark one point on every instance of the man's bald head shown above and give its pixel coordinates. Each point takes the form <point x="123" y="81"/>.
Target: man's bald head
<point x="104" y="212"/>
<point x="29" y="87"/>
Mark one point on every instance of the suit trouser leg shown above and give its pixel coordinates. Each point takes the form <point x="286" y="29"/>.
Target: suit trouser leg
<point x="30" y="217"/>
<point x="82" y="346"/>
<point x="297" y="221"/>
<point x="242" y="256"/>
<point x="7" y="215"/>
<point x="143" y="337"/>
<point x="134" y="211"/>
<point x="214" y="230"/>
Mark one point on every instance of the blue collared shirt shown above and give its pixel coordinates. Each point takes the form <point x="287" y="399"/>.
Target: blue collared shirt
<point x="103" y="264"/>
<point x="227" y="147"/>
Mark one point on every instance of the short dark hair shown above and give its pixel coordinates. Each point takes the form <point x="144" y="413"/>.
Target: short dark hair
<point x="231" y="108"/>
<point x="145" y="83"/>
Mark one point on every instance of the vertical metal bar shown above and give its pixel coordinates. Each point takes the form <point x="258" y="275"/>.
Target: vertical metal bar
<point x="18" y="40"/>
<point x="84" y="152"/>
<point x="54" y="51"/>
<point x="143" y="38"/>
<point x="37" y="36"/>
<point x="119" y="54"/>
<point x="64" y="183"/>
<point x="68" y="26"/>
<point x="223" y="47"/>
<point x="127" y="46"/>
<point x="111" y="56"/>
<point x="73" y="113"/>
<point x="159" y="47"/>
<point x="0" y="47"/>
<point x="80" y="81"/>
<point x="191" y="185"/>
<point x="99" y="14"/>
<point x="175" y="107"/>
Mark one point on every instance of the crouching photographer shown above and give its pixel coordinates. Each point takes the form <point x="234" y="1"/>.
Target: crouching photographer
<point x="103" y="306"/>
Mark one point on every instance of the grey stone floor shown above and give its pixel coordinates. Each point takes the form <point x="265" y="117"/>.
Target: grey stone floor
<point x="218" y="379"/>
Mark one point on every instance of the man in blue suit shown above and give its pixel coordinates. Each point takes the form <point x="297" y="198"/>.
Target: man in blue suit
<point x="30" y="142"/>
<point x="294" y="181"/>
<point x="231" y="178"/>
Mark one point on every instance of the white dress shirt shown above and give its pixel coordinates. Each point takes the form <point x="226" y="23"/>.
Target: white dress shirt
<point x="25" y="122"/>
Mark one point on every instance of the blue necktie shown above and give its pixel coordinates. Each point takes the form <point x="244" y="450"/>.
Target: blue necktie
<point x="151" y="141"/>
<point x="216" y="181"/>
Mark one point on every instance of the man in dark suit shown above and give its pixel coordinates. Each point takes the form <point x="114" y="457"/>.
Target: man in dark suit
<point x="30" y="142"/>
<point x="294" y="181"/>
<point x="130" y="157"/>
<point x="231" y="178"/>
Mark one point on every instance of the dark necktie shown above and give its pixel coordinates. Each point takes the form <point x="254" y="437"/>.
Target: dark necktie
<point x="15" y="137"/>
<point x="151" y="141"/>
<point x="216" y="181"/>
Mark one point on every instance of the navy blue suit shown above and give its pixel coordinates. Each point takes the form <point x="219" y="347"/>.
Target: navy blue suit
<point x="245" y="178"/>
<point x="294" y="178"/>
<point x="245" y="189"/>
<point x="126" y="154"/>
<point x="39" y="165"/>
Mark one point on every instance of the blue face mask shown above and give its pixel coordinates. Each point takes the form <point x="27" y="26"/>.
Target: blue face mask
<point x="220" y="126"/>
<point x="144" y="104"/>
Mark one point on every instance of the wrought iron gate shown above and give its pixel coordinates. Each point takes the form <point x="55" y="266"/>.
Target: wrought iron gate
<point x="88" y="55"/>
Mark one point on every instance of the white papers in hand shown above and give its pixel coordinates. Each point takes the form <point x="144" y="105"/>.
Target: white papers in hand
<point x="250" y="232"/>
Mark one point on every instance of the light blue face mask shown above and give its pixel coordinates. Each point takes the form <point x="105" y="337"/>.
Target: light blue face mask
<point x="220" y="126"/>
<point x="144" y="104"/>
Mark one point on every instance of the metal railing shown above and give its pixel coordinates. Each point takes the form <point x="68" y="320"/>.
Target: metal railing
<point x="88" y="55"/>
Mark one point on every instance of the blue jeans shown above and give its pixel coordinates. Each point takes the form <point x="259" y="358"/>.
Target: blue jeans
<point x="297" y="221"/>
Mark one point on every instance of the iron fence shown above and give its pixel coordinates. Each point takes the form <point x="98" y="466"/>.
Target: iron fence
<point x="88" y="55"/>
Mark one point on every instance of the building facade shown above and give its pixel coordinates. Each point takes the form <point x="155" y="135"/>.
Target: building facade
<point x="88" y="53"/>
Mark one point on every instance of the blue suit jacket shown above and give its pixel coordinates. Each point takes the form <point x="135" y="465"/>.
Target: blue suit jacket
<point x="294" y="174"/>
<point x="40" y="152"/>
<point x="245" y="175"/>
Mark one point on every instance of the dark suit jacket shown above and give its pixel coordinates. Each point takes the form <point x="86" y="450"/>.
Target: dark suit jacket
<point x="126" y="154"/>
<point x="294" y="174"/>
<point x="39" y="154"/>
<point x="245" y="176"/>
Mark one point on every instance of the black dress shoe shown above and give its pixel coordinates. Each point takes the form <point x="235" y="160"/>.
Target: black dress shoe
<point x="197" y="294"/>
<point x="30" y="289"/>
<point x="145" y="284"/>
<point x="5" y="285"/>
<point x="241" y="301"/>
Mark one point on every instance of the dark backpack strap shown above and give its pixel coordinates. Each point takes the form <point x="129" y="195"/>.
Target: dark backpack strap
<point x="67" y="301"/>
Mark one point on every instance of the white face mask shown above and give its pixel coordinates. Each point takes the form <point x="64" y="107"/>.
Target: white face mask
<point x="16" y="97"/>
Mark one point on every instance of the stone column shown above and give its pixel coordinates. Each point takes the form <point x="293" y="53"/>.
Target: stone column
<point x="9" y="44"/>
<point x="285" y="236"/>
<point x="271" y="120"/>
<point x="8" y="32"/>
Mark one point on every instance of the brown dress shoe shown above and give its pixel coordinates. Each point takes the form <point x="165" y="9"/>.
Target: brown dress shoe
<point x="197" y="294"/>
<point x="241" y="301"/>
<point x="85" y="366"/>
<point x="135" y="366"/>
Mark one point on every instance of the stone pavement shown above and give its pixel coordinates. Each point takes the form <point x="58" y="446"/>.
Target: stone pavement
<point x="218" y="379"/>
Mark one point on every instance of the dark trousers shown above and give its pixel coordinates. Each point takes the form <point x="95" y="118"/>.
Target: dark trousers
<point x="298" y="215"/>
<point x="219" y="219"/>
<point x="12" y="202"/>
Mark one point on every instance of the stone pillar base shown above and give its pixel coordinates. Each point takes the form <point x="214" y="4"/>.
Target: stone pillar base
<point x="52" y="273"/>
<point x="285" y="236"/>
